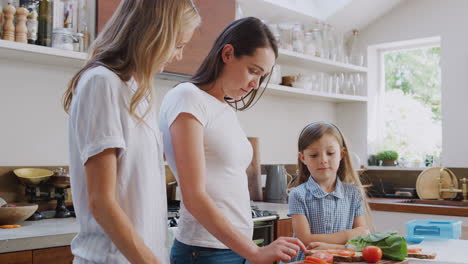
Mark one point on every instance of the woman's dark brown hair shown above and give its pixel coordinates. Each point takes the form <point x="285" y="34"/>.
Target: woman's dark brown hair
<point x="245" y="35"/>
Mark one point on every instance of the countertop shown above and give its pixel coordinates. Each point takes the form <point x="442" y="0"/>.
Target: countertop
<point x="39" y="234"/>
<point x="398" y="205"/>
<point x="281" y="209"/>
<point x="449" y="251"/>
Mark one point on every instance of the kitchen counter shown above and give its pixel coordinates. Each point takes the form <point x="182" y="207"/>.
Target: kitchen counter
<point x="281" y="209"/>
<point x="39" y="234"/>
<point x="398" y="205"/>
<point x="449" y="251"/>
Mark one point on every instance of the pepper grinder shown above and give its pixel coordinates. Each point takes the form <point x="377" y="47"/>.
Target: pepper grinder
<point x="8" y="26"/>
<point x="21" y="31"/>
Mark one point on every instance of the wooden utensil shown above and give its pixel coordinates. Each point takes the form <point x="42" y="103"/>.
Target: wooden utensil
<point x="427" y="184"/>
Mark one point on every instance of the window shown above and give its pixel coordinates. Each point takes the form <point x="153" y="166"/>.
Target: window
<point x="410" y="102"/>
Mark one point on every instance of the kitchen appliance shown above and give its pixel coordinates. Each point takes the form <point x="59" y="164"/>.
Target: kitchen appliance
<point x="418" y="230"/>
<point x="55" y="184"/>
<point x="264" y="222"/>
<point x="275" y="188"/>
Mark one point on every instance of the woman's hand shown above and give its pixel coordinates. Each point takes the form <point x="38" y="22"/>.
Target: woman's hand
<point x="284" y="249"/>
<point x="323" y="246"/>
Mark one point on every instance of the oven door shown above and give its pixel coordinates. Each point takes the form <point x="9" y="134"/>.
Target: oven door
<point x="263" y="233"/>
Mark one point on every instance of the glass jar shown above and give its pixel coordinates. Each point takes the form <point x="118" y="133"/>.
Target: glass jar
<point x="298" y="38"/>
<point x="78" y="42"/>
<point x="62" y="38"/>
<point x="309" y="44"/>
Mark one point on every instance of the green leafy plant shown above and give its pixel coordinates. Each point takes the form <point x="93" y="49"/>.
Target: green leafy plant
<point x="387" y="155"/>
<point x="393" y="246"/>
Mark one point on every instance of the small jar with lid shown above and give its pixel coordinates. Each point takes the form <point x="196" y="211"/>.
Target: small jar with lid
<point x="309" y="44"/>
<point x="62" y="38"/>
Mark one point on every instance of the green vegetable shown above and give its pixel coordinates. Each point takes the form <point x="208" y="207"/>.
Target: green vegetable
<point x="393" y="246"/>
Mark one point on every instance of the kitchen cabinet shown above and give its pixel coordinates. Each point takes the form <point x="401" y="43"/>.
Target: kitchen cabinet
<point x="22" y="257"/>
<point x="57" y="255"/>
<point x="284" y="228"/>
<point x="216" y="15"/>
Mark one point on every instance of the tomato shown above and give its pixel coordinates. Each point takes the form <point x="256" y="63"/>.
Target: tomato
<point x="324" y="256"/>
<point x="314" y="260"/>
<point x="333" y="251"/>
<point x="346" y="252"/>
<point x="372" y="254"/>
<point x="414" y="250"/>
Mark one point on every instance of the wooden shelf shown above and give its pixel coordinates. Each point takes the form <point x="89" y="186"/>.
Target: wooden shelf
<point x="316" y="63"/>
<point x="41" y="55"/>
<point x="320" y="96"/>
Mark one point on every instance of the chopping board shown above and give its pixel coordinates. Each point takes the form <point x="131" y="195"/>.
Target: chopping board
<point x="383" y="261"/>
<point x="254" y="172"/>
<point x="427" y="184"/>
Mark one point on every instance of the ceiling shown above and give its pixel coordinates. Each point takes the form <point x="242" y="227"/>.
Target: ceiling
<point x="360" y="13"/>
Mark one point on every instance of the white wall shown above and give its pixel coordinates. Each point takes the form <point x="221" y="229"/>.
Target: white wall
<point x="429" y="18"/>
<point x="33" y="128"/>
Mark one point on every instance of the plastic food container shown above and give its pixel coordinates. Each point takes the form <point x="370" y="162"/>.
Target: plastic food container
<point x="418" y="230"/>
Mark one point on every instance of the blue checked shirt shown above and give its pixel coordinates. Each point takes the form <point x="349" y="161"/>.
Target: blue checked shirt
<point x="326" y="212"/>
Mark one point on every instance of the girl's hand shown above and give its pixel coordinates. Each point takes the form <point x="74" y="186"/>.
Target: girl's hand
<point x="357" y="231"/>
<point x="284" y="249"/>
<point x="323" y="246"/>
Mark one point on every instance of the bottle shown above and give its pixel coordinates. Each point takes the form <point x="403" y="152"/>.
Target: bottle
<point x="32" y="23"/>
<point x="68" y="12"/>
<point x="8" y="26"/>
<point x="21" y="31"/>
<point x="355" y="55"/>
<point x="44" y="37"/>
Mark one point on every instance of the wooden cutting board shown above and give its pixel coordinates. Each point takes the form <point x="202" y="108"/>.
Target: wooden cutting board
<point x="363" y="262"/>
<point x="379" y="262"/>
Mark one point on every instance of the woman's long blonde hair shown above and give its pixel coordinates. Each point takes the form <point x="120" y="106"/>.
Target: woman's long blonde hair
<point x="346" y="172"/>
<point x="137" y="40"/>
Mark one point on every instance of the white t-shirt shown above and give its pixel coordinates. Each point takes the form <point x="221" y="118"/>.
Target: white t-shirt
<point x="228" y="153"/>
<point x="100" y="119"/>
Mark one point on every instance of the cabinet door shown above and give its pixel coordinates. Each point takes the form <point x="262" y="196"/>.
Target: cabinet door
<point x="22" y="257"/>
<point x="215" y="14"/>
<point x="284" y="228"/>
<point x="57" y="255"/>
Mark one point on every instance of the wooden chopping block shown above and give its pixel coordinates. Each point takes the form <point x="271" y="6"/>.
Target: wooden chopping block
<point x="254" y="172"/>
<point x="382" y="261"/>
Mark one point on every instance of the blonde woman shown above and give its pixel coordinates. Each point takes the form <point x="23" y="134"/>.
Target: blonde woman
<point x="116" y="161"/>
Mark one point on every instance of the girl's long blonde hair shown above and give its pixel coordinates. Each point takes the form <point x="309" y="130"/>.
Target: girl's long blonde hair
<point x="346" y="172"/>
<point x="137" y="40"/>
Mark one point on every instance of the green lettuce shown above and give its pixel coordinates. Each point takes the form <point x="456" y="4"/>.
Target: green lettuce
<point x="393" y="246"/>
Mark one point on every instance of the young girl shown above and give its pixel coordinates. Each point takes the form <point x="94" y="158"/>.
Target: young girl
<point x="209" y="153"/>
<point x="116" y="160"/>
<point x="328" y="206"/>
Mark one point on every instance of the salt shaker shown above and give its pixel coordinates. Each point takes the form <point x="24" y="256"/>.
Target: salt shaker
<point x="8" y="26"/>
<point x="21" y="31"/>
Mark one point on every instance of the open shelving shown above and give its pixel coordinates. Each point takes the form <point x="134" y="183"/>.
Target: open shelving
<point x="11" y="50"/>
<point x="282" y="90"/>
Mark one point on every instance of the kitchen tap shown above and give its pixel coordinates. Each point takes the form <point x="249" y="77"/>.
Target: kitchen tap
<point x="452" y="189"/>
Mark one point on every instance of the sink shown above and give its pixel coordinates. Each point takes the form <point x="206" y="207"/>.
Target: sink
<point x="436" y="202"/>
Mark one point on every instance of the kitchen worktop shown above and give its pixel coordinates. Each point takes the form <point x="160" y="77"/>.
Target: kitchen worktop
<point x="39" y="234"/>
<point x="400" y="205"/>
<point x="281" y="209"/>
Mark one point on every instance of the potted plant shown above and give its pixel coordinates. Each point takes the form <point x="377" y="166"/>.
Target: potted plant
<point x="388" y="157"/>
